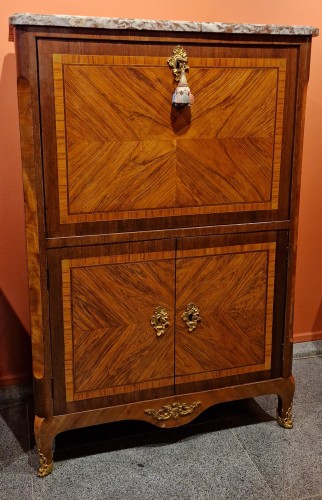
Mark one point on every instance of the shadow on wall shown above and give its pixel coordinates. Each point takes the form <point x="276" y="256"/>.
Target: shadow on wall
<point x="15" y="347"/>
<point x="15" y="351"/>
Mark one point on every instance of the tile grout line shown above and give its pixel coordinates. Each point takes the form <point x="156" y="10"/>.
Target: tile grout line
<point x="307" y="356"/>
<point x="5" y="406"/>
<point x="311" y="498"/>
<point x="252" y="462"/>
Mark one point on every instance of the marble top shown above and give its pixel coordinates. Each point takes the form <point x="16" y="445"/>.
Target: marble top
<point x="157" y="25"/>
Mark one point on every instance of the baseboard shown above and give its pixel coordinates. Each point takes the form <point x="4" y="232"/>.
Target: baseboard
<point x="15" y="379"/>
<point x="307" y="336"/>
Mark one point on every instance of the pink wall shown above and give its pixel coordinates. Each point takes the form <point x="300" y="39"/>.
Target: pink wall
<point x="14" y="322"/>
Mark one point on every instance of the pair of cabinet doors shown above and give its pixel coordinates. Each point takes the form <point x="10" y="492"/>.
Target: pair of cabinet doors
<point x="106" y="344"/>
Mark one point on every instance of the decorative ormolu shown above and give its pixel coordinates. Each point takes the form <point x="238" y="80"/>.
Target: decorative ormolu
<point x="191" y="316"/>
<point x="175" y="410"/>
<point x="182" y="95"/>
<point x="178" y="62"/>
<point x="160" y="320"/>
<point x="287" y="421"/>
<point x="44" y="467"/>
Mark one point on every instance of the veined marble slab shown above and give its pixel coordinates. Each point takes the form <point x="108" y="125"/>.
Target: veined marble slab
<point x="156" y="25"/>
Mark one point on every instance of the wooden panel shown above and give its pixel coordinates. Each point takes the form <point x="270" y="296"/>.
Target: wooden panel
<point x="110" y="344"/>
<point x="233" y="286"/>
<point x="124" y="152"/>
<point x="31" y="228"/>
<point x="169" y="233"/>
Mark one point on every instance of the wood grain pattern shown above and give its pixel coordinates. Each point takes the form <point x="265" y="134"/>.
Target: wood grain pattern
<point x="169" y="233"/>
<point x="233" y="287"/>
<point x="108" y="302"/>
<point x="31" y="227"/>
<point x="46" y="430"/>
<point x="110" y="345"/>
<point x="148" y="168"/>
<point x="127" y="165"/>
<point x="303" y="78"/>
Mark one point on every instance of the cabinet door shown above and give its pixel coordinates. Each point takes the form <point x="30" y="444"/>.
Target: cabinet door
<point x="118" y="155"/>
<point x="231" y="280"/>
<point x="104" y="344"/>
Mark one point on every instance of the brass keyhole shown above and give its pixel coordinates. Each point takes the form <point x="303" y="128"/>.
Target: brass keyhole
<point x="191" y="317"/>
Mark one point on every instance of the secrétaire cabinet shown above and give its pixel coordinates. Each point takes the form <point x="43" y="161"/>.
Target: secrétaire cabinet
<point x="161" y="236"/>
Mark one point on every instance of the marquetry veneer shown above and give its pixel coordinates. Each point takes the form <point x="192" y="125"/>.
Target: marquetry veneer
<point x="161" y="240"/>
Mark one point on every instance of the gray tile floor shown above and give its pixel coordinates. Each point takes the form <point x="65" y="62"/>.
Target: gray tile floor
<point x="233" y="451"/>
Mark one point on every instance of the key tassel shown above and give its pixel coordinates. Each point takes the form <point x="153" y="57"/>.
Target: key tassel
<point x="182" y="96"/>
